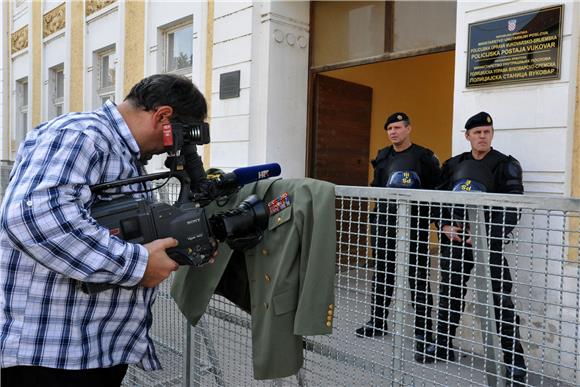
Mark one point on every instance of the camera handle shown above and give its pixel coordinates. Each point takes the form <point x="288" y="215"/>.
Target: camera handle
<point x="182" y="176"/>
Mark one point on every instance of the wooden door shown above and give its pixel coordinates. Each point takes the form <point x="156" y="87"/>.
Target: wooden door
<point x="341" y="131"/>
<point x="340" y="155"/>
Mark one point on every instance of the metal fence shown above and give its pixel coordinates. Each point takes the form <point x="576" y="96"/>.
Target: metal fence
<point x="387" y="242"/>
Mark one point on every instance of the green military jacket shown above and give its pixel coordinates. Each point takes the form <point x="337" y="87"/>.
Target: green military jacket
<point x="290" y="275"/>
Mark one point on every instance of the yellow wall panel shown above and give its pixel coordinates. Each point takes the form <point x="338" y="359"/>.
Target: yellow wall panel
<point x="76" y="85"/>
<point x="35" y="49"/>
<point x="134" y="61"/>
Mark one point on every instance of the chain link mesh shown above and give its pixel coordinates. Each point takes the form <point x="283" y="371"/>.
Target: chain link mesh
<point x="521" y="306"/>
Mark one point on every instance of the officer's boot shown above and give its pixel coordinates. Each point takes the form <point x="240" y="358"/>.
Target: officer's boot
<point x="382" y="290"/>
<point x="423" y="326"/>
<point x="377" y="325"/>
<point x="507" y="322"/>
<point x="422" y="341"/>
<point x="442" y="349"/>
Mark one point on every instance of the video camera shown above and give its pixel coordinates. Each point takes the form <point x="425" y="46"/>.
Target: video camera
<point x="139" y="220"/>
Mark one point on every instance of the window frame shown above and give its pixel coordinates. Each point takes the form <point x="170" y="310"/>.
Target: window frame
<point x="21" y="114"/>
<point x="56" y="100"/>
<point x="185" y="71"/>
<point x="105" y="92"/>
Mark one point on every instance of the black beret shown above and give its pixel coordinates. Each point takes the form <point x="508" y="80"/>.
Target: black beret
<point x="396" y="117"/>
<point x="480" y="119"/>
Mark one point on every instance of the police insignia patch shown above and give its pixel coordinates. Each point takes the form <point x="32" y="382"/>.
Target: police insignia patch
<point x="399" y="117"/>
<point x="279" y="203"/>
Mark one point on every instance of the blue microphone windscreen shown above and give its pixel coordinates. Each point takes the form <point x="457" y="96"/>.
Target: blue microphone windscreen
<point x="253" y="173"/>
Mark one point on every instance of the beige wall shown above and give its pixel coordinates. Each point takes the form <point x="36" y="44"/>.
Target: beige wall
<point x="421" y="86"/>
<point x="345" y="30"/>
<point x="134" y="45"/>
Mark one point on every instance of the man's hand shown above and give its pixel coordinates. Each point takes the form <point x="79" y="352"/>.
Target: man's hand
<point x="452" y="232"/>
<point x="159" y="265"/>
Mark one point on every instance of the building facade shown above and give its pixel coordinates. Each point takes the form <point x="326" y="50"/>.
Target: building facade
<point x="265" y="68"/>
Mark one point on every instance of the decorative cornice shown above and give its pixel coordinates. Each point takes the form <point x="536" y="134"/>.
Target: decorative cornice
<point x="54" y="20"/>
<point x="282" y="20"/>
<point x="92" y="6"/>
<point x="19" y="40"/>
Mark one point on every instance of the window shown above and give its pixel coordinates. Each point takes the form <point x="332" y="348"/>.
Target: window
<point x="21" y="119"/>
<point x="179" y="49"/>
<point x="56" y="81"/>
<point x="106" y="61"/>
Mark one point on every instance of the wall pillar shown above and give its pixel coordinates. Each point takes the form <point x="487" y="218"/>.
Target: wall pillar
<point x="75" y="38"/>
<point x="35" y="52"/>
<point x="279" y="84"/>
<point x="134" y="53"/>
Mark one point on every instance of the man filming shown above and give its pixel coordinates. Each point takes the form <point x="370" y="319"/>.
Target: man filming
<point x="51" y="333"/>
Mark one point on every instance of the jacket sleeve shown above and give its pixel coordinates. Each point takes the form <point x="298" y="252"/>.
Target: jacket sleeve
<point x="315" y="311"/>
<point x="509" y="180"/>
<point x="442" y="215"/>
<point x="50" y="223"/>
<point x="432" y="170"/>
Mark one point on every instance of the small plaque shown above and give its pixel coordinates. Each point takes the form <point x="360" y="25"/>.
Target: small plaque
<point x="230" y="85"/>
<point x="516" y="48"/>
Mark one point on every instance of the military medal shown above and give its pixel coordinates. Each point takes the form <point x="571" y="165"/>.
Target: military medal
<point x="279" y="203"/>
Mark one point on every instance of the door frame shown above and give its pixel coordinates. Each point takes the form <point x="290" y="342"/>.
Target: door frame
<point x="314" y="71"/>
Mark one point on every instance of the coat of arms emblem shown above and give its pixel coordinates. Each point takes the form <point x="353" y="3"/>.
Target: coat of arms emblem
<point x="512" y="25"/>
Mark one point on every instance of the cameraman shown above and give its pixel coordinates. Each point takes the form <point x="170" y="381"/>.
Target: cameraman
<point x="51" y="333"/>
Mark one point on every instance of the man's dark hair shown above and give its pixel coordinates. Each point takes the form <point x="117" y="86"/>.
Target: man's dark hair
<point x="180" y="93"/>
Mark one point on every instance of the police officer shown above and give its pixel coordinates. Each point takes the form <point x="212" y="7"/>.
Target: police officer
<point x="481" y="169"/>
<point x="402" y="165"/>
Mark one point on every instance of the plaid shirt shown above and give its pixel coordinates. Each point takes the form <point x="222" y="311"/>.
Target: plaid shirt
<point x="48" y="241"/>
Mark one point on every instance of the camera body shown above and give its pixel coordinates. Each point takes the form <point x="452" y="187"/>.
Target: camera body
<point x="141" y="221"/>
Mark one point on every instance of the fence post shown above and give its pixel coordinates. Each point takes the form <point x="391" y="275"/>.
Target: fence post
<point x="402" y="249"/>
<point x="483" y="288"/>
<point x="186" y="380"/>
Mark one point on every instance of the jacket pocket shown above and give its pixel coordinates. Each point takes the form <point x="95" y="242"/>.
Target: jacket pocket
<point x="280" y="218"/>
<point x="285" y="302"/>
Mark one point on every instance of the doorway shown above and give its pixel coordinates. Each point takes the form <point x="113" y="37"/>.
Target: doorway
<point x="421" y="86"/>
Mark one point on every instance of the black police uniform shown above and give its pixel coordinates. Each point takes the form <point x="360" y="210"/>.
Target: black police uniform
<point x="497" y="173"/>
<point x="415" y="167"/>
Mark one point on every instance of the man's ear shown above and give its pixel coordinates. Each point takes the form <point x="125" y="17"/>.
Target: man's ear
<point x="466" y="135"/>
<point x="163" y="114"/>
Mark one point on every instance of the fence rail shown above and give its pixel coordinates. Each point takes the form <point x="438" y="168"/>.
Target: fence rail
<point x="532" y="298"/>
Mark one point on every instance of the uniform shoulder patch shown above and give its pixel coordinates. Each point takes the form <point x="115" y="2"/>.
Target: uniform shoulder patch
<point x="513" y="168"/>
<point x="279" y="203"/>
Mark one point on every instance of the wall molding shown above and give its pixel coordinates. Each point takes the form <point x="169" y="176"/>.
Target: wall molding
<point x="92" y="6"/>
<point x="19" y="40"/>
<point x="54" y="20"/>
<point x="285" y="21"/>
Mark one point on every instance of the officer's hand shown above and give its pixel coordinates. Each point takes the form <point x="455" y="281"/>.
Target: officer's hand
<point x="159" y="265"/>
<point x="452" y="232"/>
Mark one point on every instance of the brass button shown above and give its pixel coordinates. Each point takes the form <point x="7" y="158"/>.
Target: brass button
<point x="328" y="324"/>
<point x="264" y="252"/>
<point x="329" y="318"/>
<point x="266" y="277"/>
<point x="278" y="220"/>
<point x="330" y="313"/>
<point x="330" y="307"/>
<point x="266" y="305"/>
